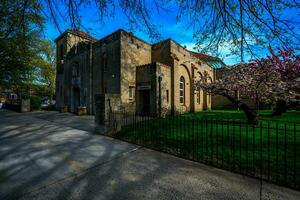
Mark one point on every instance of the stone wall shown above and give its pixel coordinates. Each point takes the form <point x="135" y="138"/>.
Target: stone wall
<point x="161" y="53"/>
<point x="112" y="103"/>
<point x="134" y="52"/>
<point x="146" y="82"/>
<point x="65" y="62"/>
<point x="183" y="63"/>
<point x="154" y="78"/>
<point x="220" y="102"/>
<point x="106" y="79"/>
<point x="80" y="58"/>
<point x="25" y="105"/>
<point x="187" y="65"/>
<point x="163" y="90"/>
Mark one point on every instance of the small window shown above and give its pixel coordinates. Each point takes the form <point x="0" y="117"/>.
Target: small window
<point x="181" y="90"/>
<point x="131" y="92"/>
<point x="198" y="97"/>
<point x="167" y="95"/>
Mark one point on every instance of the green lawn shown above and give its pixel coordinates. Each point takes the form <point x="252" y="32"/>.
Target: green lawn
<point x="291" y="116"/>
<point x="223" y="139"/>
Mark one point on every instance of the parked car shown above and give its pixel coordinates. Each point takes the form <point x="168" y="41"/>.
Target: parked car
<point x="48" y="104"/>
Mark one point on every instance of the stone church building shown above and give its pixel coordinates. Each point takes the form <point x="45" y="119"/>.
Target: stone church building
<point x="132" y="75"/>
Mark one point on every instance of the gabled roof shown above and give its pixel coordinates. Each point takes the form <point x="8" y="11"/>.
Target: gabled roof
<point x="81" y="33"/>
<point x="78" y="33"/>
<point x="214" y="62"/>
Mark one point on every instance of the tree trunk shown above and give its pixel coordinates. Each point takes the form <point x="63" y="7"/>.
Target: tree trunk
<point x="282" y="106"/>
<point x="251" y="114"/>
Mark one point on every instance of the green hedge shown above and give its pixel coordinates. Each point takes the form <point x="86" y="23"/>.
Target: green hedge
<point x="35" y="103"/>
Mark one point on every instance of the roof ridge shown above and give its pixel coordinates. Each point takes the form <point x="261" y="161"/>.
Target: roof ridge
<point x="82" y="33"/>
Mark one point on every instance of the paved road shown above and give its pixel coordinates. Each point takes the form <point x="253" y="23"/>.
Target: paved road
<point x="48" y="155"/>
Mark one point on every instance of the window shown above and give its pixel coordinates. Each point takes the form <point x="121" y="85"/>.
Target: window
<point x="167" y="94"/>
<point x="13" y="96"/>
<point x="104" y="62"/>
<point x="130" y="92"/>
<point x="75" y="71"/>
<point x="181" y="90"/>
<point x="198" y="97"/>
<point x="76" y="50"/>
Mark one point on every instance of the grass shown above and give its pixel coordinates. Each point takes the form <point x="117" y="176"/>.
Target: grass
<point x="265" y="115"/>
<point x="222" y="138"/>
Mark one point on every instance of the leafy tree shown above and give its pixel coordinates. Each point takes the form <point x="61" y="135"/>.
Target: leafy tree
<point x="23" y="52"/>
<point x="44" y="70"/>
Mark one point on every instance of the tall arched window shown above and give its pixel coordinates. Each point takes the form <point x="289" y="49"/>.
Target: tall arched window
<point x="198" y="96"/>
<point x="75" y="71"/>
<point x="61" y="56"/>
<point x="104" y="62"/>
<point x="181" y="90"/>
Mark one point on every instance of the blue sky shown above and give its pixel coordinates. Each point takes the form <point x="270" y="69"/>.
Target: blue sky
<point x="166" y="25"/>
<point x="165" y="22"/>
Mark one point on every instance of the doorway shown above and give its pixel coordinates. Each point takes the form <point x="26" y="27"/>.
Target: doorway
<point x="145" y="104"/>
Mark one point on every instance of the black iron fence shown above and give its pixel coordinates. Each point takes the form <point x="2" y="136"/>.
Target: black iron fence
<point x="269" y="150"/>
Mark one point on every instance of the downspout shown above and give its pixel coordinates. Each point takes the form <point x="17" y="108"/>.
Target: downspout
<point x="159" y="95"/>
<point x="192" y="89"/>
<point x="91" y="102"/>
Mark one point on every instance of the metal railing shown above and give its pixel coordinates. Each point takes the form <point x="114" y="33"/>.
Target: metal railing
<point x="268" y="151"/>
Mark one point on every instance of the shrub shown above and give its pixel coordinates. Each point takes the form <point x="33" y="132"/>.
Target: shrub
<point x="35" y="103"/>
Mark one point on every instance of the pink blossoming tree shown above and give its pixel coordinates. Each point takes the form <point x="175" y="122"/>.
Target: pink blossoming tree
<point x="287" y="64"/>
<point x="270" y="80"/>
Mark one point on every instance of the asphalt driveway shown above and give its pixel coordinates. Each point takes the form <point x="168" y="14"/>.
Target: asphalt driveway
<point x="50" y="155"/>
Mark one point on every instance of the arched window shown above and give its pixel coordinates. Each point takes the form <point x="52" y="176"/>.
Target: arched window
<point x="104" y="62"/>
<point x="75" y="72"/>
<point x="198" y="96"/>
<point x="61" y="56"/>
<point x="181" y="90"/>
